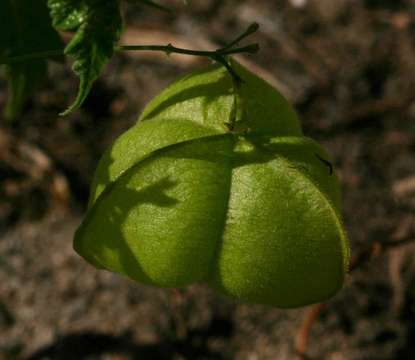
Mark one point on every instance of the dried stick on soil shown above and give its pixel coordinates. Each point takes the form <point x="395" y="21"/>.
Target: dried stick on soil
<point x="177" y="303"/>
<point x="371" y="251"/>
<point x="303" y="333"/>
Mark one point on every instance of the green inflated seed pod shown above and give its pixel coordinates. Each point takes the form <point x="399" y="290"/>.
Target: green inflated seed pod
<point x="254" y="212"/>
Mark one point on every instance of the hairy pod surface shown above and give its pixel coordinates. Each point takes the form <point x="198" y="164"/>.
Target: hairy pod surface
<point x="252" y="211"/>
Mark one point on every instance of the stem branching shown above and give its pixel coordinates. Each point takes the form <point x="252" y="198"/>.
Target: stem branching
<point x="218" y="55"/>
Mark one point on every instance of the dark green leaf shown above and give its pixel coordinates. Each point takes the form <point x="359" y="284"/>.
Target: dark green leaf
<point x="25" y="27"/>
<point x="67" y="14"/>
<point x="98" y="24"/>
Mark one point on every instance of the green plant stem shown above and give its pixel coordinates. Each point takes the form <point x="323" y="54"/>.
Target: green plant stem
<point x="170" y="49"/>
<point x="250" y="30"/>
<point x="32" y="56"/>
<point x="218" y="55"/>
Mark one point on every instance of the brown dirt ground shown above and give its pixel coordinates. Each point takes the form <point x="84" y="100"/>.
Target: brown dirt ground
<point x="348" y="66"/>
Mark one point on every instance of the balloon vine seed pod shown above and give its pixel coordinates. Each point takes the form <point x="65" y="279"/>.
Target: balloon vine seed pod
<point x="219" y="186"/>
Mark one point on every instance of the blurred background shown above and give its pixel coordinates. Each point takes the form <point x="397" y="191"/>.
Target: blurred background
<point x="349" y="68"/>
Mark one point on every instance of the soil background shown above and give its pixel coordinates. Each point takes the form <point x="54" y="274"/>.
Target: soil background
<point x="349" y="68"/>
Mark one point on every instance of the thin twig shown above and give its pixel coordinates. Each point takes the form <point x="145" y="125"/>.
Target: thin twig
<point x="375" y="249"/>
<point x="303" y="333"/>
<point x="222" y="60"/>
<point x="250" y="30"/>
<point x="170" y="49"/>
<point x="218" y="55"/>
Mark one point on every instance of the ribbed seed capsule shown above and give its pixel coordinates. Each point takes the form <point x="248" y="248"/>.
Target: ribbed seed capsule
<point x="254" y="213"/>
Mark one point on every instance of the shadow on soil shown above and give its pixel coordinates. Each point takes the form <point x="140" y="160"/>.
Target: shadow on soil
<point x="85" y="345"/>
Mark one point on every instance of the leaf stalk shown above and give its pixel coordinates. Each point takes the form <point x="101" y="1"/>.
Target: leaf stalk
<point x="218" y="55"/>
